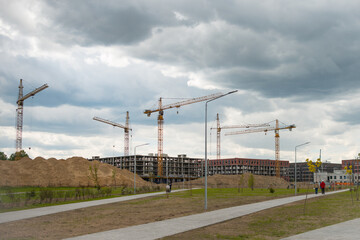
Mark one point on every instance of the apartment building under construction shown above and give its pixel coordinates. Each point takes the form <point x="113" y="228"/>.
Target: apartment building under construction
<point x="178" y="168"/>
<point x="233" y="166"/>
<point x="182" y="168"/>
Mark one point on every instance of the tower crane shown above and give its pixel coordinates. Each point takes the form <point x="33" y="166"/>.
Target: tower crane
<point x="20" y="112"/>
<point x="161" y="109"/>
<point x="126" y="130"/>
<point x="219" y="128"/>
<point x="277" y="139"/>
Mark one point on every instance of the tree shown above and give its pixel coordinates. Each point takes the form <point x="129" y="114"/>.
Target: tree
<point x="251" y="182"/>
<point x="349" y="173"/>
<point x="3" y="156"/>
<point x="18" y="155"/>
<point x="114" y="176"/>
<point x="241" y="182"/>
<point x="93" y="174"/>
<point x="312" y="168"/>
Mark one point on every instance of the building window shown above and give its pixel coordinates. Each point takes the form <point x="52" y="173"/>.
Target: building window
<point x="340" y="177"/>
<point x="334" y="177"/>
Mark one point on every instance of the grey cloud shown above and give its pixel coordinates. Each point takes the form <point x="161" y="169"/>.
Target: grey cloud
<point x="108" y="23"/>
<point x="349" y="114"/>
<point x="306" y="54"/>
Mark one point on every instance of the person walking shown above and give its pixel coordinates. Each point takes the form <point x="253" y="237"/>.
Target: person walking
<point x="316" y="187"/>
<point x="322" y="186"/>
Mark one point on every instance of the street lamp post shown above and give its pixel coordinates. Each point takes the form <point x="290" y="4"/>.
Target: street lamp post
<point x="206" y="162"/>
<point x="295" y="164"/>
<point x="135" y="164"/>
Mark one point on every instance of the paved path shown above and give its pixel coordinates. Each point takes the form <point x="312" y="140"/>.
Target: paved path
<point x="173" y="226"/>
<point x="36" y="212"/>
<point x="345" y="230"/>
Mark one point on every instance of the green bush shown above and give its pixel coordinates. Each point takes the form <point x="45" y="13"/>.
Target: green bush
<point x="29" y="196"/>
<point x="46" y="194"/>
<point x="271" y="190"/>
<point x="126" y="191"/>
<point x="59" y="195"/>
<point x="10" y="195"/>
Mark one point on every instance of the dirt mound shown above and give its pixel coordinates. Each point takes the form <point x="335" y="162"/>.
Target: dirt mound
<point x="72" y="172"/>
<point x="232" y="181"/>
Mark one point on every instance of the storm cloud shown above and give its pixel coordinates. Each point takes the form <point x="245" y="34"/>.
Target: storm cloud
<point x="295" y="61"/>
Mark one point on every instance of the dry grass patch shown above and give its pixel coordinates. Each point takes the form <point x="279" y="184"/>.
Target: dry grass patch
<point x="124" y="214"/>
<point x="280" y="222"/>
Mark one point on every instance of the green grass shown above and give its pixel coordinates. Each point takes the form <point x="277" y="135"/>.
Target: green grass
<point x="17" y="198"/>
<point x="27" y="189"/>
<point x="283" y="221"/>
<point x="233" y="192"/>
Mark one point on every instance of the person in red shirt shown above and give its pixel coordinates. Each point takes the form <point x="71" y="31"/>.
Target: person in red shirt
<point x="322" y="186"/>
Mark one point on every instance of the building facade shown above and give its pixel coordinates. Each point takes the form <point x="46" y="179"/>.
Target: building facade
<point x="183" y="168"/>
<point x="233" y="166"/>
<point x="176" y="168"/>
<point x="304" y="175"/>
<point x="338" y="177"/>
<point x="354" y="163"/>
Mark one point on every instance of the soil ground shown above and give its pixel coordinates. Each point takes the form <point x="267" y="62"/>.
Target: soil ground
<point x="73" y="172"/>
<point x="236" y="181"/>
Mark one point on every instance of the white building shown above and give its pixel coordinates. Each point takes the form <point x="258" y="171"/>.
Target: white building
<point x="338" y="177"/>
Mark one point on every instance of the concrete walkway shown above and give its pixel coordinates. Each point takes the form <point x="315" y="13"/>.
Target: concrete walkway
<point x="345" y="230"/>
<point x="36" y="212"/>
<point x="173" y="226"/>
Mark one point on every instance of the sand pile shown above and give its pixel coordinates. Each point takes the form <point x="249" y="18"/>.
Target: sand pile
<point x="72" y="172"/>
<point x="232" y="181"/>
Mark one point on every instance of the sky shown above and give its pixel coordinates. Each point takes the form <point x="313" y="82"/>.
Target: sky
<point x="296" y="61"/>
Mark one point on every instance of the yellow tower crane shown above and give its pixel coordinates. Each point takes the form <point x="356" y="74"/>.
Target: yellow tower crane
<point x="126" y="130"/>
<point x="161" y="109"/>
<point x="219" y="128"/>
<point x="277" y="139"/>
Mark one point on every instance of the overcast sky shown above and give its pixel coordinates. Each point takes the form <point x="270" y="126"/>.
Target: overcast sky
<point x="296" y="61"/>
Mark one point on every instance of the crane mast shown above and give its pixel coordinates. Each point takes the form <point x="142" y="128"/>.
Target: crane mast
<point x="20" y="112"/>
<point x="160" y="120"/>
<point x="218" y="134"/>
<point x="277" y="139"/>
<point x="126" y="130"/>
<point x="277" y="149"/>
<point x="126" y="135"/>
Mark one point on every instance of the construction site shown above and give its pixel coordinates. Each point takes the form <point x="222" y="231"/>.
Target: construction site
<point x="161" y="168"/>
<point x="182" y="168"/>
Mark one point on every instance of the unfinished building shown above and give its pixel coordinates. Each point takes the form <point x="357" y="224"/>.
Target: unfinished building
<point x="182" y="168"/>
<point x="178" y="168"/>
<point x="233" y="166"/>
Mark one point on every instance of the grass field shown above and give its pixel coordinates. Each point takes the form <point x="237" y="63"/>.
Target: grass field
<point x="20" y="198"/>
<point x="280" y="222"/>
